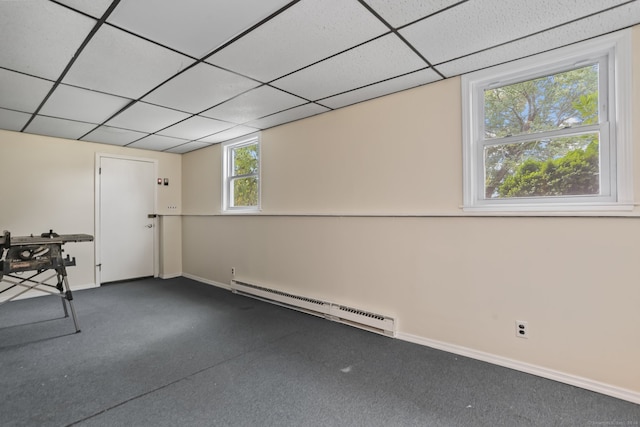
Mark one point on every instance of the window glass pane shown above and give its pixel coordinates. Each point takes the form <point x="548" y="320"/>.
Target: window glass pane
<point x="567" y="99"/>
<point x="245" y="192"/>
<point x="245" y="160"/>
<point x="563" y="166"/>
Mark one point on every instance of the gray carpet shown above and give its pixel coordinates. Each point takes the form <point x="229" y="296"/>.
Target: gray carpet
<point x="181" y="353"/>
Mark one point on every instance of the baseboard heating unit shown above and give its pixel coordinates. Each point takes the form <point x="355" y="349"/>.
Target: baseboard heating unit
<point x="338" y="313"/>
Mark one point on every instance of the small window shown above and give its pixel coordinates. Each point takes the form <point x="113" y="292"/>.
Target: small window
<point x="547" y="133"/>
<point x="241" y="175"/>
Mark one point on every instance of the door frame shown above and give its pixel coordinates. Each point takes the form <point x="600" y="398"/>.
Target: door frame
<point x="97" y="237"/>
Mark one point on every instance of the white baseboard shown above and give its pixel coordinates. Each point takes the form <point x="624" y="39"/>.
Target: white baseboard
<point x="171" y="276"/>
<point x="574" y="380"/>
<point x="85" y="286"/>
<point x="207" y="281"/>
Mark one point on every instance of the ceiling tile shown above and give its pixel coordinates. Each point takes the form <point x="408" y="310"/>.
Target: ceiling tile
<point x="402" y="12"/>
<point x="157" y="142"/>
<point x="58" y="127"/>
<point x="331" y="52"/>
<point x="291" y="115"/>
<point x="13" y="120"/>
<point x="145" y="117"/>
<point x="122" y="64"/>
<point x="189" y="146"/>
<point x="199" y="88"/>
<point x="95" y="8"/>
<point x="372" y="62"/>
<point x="70" y="102"/>
<point x="39" y="37"/>
<point x="113" y="136"/>
<point x="561" y="36"/>
<point x="253" y="105"/>
<point x="389" y="86"/>
<point x="203" y="24"/>
<point x="300" y="36"/>
<point x="22" y="92"/>
<point x="196" y="127"/>
<point x="230" y="134"/>
<point x="481" y="25"/>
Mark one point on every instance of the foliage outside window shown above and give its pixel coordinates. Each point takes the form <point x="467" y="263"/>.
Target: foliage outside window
<point x="542" y="134"/>
<point x="241" y="175"/>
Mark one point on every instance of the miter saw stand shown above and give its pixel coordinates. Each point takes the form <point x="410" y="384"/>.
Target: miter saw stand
<point x="37" y="255"/>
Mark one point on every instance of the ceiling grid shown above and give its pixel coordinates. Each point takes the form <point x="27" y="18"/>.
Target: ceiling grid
<point x="179" y="76"/>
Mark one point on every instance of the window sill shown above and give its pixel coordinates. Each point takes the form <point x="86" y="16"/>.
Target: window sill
<point x="549" y="209"/>
<point x="253" y="211"/>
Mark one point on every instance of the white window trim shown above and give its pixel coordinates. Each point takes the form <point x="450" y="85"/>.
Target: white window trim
<point x="618" y="45"/>
<point x="227" y="146"/>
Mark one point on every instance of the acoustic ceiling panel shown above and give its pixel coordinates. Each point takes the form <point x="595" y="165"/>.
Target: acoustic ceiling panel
<point x="113" y="136"/>
<point x="571" y="33"/>
<point x="478" y="25"/>
<point x="121" y="64"/>
<point x="199" y="88"/>
<point x="290" y="115"/>
<point x="189" y="146"/>
<point x="194" y="27"/>
<point x="271" y="51"/>
<point x="254" y="104"/>
<point x="229" y="134"/>
<point x="39" y="37"/>
<point x="69" y="102"/>
<point x="59" y="127"/>
<point x="406" y="81"/>
<point x="157" y="142"/>
<point x="168" y="67"/>
<point x="402" y="12"/>
<point x="95" y="8"/>
<point x="143" y="117"/>
<point x="13" y="120"/>
<point x="381" y="59"/>
<point x="196" y="127"/>
<point x="22" y="92"/>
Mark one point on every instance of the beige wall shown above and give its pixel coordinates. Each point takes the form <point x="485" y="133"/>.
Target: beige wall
<point x="48" y="183"/>
<point x="361" y="206"/>
<point x="170" y="246"/>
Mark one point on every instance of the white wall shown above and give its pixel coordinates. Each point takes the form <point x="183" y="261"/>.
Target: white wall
<point x="49" y="183"/>
<point x="361" y="206"/>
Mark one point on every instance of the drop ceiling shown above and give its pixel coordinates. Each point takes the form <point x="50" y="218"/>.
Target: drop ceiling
<point x="177" y="76"/>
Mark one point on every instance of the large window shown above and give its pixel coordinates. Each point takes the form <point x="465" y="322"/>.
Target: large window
<point x="549" y="132"/>
<point x="241" y="175"/>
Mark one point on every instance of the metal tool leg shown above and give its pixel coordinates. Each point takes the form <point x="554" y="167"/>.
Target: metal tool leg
<point x="60" y="288"/>
<point x="69" y="298"/>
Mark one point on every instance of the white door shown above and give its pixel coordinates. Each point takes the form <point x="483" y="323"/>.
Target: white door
<point x="127" y="234"/>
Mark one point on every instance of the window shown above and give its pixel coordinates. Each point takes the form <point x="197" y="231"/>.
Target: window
<point x="241" y="175"/>
<point x="550" y="132"/>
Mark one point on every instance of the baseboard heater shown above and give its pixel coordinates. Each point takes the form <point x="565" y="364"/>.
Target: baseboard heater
<point x="338" y="313"/>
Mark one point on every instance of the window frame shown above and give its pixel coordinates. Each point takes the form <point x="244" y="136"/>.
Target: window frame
<point x="228" y="148"/>
<point x="614" y="52"/>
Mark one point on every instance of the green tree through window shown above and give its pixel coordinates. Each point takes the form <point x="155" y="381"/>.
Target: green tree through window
<point x="241" y="174"/>
<point x="245" y="175"/>
<point x="544" y="164"/>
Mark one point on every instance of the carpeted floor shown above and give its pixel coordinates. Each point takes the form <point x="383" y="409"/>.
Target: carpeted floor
<point x="180" y="353"/>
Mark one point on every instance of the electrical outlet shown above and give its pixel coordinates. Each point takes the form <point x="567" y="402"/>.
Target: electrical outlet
<point x="522" y="329"/>
<point x="233" y="271"/>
